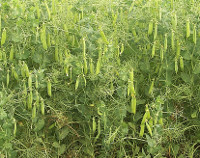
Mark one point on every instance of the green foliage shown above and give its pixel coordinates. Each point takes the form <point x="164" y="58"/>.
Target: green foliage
<point x="89" y="78"/>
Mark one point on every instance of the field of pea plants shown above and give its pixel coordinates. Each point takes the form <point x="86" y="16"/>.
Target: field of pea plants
<point x="99" y="79"/>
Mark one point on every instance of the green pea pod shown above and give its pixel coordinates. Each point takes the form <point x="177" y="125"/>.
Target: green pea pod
<point x="11" y="53"/>
<point x="151" y="87"/>
<point x="131" y="76"/>
<point x="98" y="66"/>
<point x="48" y="11"/>
<point x="29" y="101"/>
<point x="151" y="122"/>
<point x="133" y="105"/>
<point x="181" y="63"/>
<point x="99" y="130"/>
<point x="187" y="28"/>
<point x="144" y="118"/>
<point x="149" y="128"/>
<point x="34" y="112"/>
<point x="49" y="88"/>
<point x="8" y="78"/>
<point x="172" y="40"/>
<point x="142" y="126"/>
<point x="91" y="67"/>
<point x="161" y="121"/>
<point x="0" y="23"/>
<point x="153" y="50"/>
<point x="94" y="125"/>
<point x="85" y="66"/>
<point x="56" y="54"/>
<point x="15" y="128"/>
<point x="176" y="65"/>
<point x="103" y="36"/>
<point x="3" y="37"/>
<point x="178" y="51"/>
<point x="30" y="82"/>
<point x="36" y="82"/>
<point x="150" y="30"/>
<point x="43" y="37"/>
<point x="194" y="35"/>
<point x="77" y="83"/>
<point x="165" y="43"/>
<point x="42" y="106"/>
<point x="156" y="30"/>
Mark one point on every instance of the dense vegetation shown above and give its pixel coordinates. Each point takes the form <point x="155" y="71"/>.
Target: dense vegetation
<point x="99" y="78"/>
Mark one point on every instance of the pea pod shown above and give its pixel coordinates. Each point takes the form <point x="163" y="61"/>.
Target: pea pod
<point x="1" y="55"/>
<point x="42" y="106"/>
<point x="85" y="66"/>
<point x="151" y="122"/>
<point x="15" y="128"/>
<point x="165" y="43"/>
<point x="98" y="66"/>
<point x="36" y="82"/>
<point x="77" y="83"/>
<point x="98" y="111"/>
<point x="84" y="48"/>
<point x="103" y="36"/>
<point x="3" y="37"/>
<point x="151" y="87"/>
<point x="29" y="100"/>
<point x="161" y="54"/>
<point x="133" y="105"/>
<point x="142" y="126"/>
<point x="94" y="125"/>
<point x="144" y="118"/>
<point x="8" y="78"/>
<point x="67" y="70"/>
<point x="38" y="10"/>
<point x="11" y="53"/>
<point x="49" y="88"/>
<point x="178" y="51"/>
<point x="48" y="11"/>
<point x="91" y="67"/>
<point x="43" y="37"/>
<point x="16" y="75"/>
<point x="187" y="28"/>
<point x="99" y="130"/>
<point x="150" y="30"/>
<point x="153" y="49"/>
<point x="131" y="76"/>
<point x="23" y="73"/>
<point x="105" y="120"/>
<point x="181" y="63"/>
<point x="56" y="54"/>
<point x="194" y="35"/>
<point x="34" y="112"/>
<point x="176" y="65"/>
<point x="172" y="40"/>
<point x="161" y="121"/>
<point x="149" y="128"/>
<point x="0" y="23"/>
<point x="30" y="82"/>
<point x="37" y="100"/>
<point x="26" y="70"/>
<point x="25" y="90"/>
<point x="156" y="30"/>
<point x="53" y="7"/>
<point x="148" y="112"/>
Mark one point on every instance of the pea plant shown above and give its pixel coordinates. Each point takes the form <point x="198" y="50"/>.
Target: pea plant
<point x="89" y="78"/>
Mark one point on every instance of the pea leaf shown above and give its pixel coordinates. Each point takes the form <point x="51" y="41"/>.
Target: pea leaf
<point x="63" y="133"/>
<point x="39" y="125"/>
